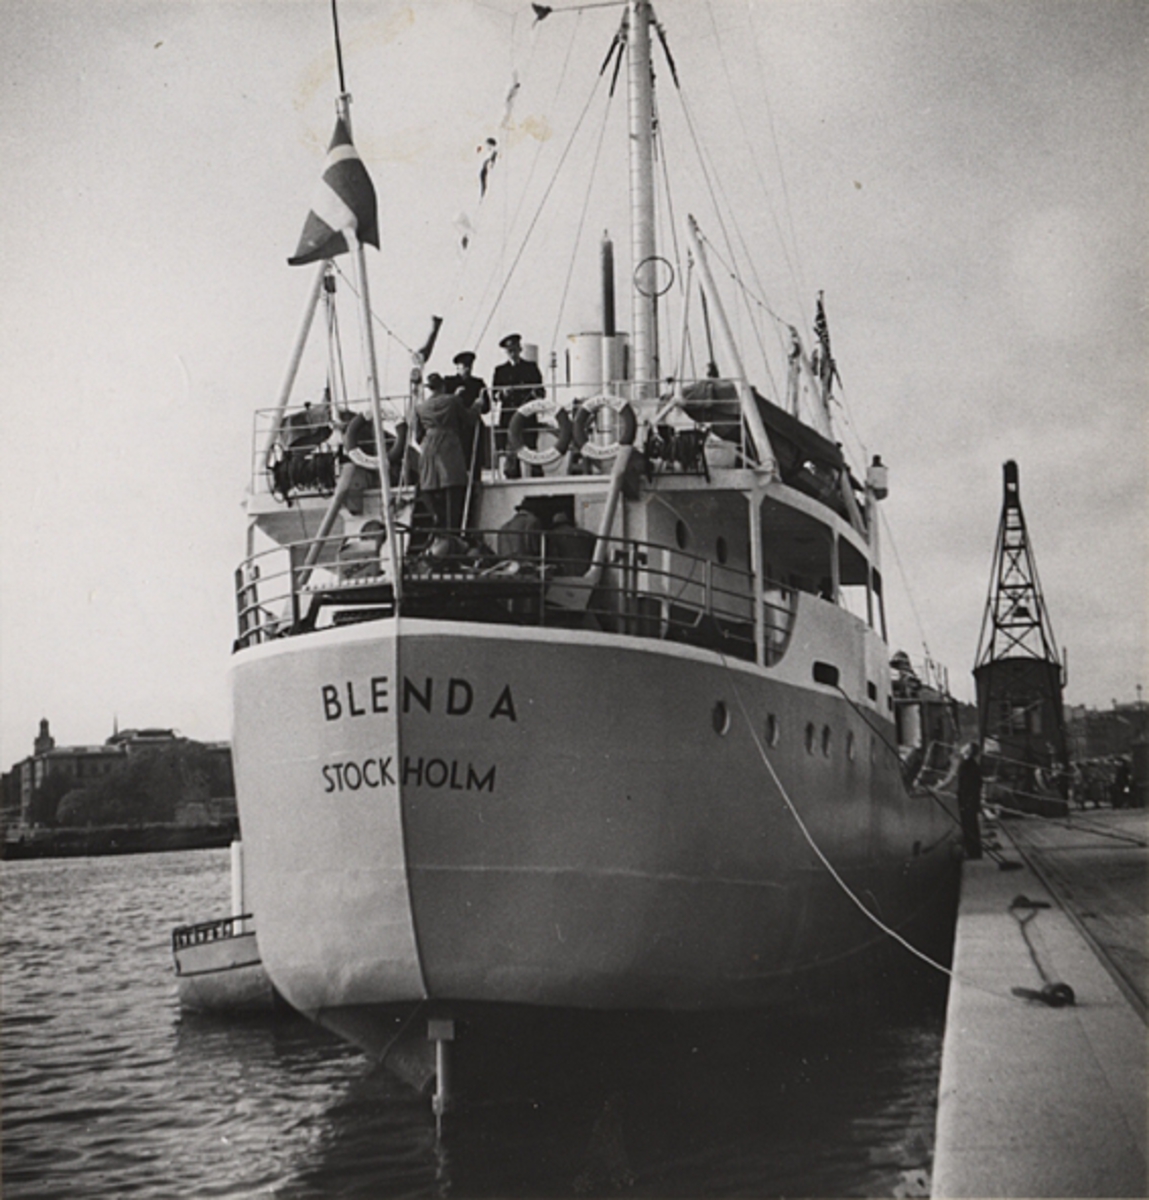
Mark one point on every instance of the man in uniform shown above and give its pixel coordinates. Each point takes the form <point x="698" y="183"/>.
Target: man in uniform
<point x="472" y="388"/>
<point x="515" y="382"/>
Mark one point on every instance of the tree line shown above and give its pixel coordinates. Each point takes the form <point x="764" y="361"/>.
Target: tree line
<point x="150" y="786"/>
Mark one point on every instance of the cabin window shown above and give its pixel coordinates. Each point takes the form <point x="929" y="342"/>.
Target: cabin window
<point x="720" y="718"/>
<point x="799" y="549"/>
<point x="827" y="738"/>
<point x="853" y="579"/>
<point x="811" y="737"/>
<point x="771" y="730"/>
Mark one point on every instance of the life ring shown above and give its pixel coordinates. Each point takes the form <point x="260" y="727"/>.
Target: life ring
<point x="360" y="435"/>
<point x="583" y="422"/>
<point x="518" y="427"/>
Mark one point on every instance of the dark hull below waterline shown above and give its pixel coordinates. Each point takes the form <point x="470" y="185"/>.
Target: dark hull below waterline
<point x="874" y="979"/>
<point x="515" y="1054"/>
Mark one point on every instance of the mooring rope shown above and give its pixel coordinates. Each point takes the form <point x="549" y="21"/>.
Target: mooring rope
<point x="836" y="876"/>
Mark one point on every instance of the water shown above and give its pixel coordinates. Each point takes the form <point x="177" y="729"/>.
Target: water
<point x="109" y="1091"/>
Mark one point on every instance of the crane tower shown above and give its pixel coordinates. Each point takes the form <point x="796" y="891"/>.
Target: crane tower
<point x="1020" y="675"/>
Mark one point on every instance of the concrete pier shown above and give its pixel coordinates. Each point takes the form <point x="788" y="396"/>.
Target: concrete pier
<point x="1037" y="1100"/>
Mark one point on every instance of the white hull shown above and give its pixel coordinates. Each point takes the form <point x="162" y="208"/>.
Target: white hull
<point x="523" y="815"/>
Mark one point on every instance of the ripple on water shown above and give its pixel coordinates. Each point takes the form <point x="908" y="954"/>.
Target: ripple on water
<point x="109" y="1090"/>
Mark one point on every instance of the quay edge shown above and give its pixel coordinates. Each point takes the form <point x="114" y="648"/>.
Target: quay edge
<point x="1036" y="1100"/>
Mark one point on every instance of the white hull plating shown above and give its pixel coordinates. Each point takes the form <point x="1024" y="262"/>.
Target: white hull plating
<point x="482" y="813"/>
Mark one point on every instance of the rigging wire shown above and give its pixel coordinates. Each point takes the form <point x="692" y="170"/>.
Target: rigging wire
<point x="374" y="315"/>
<point x="793" y="264"/>
<point x="497" y="268"/>
<point x="682" y="276"/>
<point x="748" y="297"/>
<point x="538" y="210"/>
<point x="581" y="224"/>
<point x="889" y="538"/>
<point x="709" y="176"/>
<point x="738" y="108"/>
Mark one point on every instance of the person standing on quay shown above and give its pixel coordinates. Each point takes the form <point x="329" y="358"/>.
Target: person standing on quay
<point x="969" y="800"/>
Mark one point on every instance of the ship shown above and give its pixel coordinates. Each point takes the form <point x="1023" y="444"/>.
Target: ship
<point x="632" y="737"/>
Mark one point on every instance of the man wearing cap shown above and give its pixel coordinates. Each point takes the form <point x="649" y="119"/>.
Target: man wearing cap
<point x="515" y="382"/>
<point x="473" y="389"/>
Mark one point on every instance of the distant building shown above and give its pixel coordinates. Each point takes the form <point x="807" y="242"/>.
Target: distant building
<point x="80" y="764"/>
<point x="1105" y="732"/>
<point x="132" y="740"/>
<point x="214" y="798"/>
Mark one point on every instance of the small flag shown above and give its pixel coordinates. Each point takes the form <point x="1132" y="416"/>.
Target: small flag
<point x="344" y="200"/>
<point x="491" y="146"/>
<point x="509" y="99"/>
<point x="827" y="368"/>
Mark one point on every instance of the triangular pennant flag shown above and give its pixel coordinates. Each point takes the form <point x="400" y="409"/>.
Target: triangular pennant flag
<point x="345" y="199"/>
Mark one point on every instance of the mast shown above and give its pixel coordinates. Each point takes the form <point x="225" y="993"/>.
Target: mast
<point x="343" y="108"/>
<point x="640" y="101"/>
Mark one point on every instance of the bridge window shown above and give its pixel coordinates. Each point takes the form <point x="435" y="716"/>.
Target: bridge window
<point x="853" y="575"/>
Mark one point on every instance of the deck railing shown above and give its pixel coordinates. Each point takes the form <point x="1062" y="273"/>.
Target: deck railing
<point x="184" y="936"/>
<point x="632" y="588"/>
<point x="298" y="451"/>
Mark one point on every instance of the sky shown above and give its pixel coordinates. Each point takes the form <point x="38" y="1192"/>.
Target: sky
<point x="965" y="180"/>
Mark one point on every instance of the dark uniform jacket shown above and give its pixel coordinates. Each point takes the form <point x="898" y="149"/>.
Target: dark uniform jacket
<point x="515" y="384"/>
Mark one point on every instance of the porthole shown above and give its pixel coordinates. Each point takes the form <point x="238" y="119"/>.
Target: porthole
<point x="720" y="718"/>
<point x="827" y="737"/>
<point x="811" y="737"/>
<point x="771" y="730"/>
<point x="851" y="745"/>
<point x="720" y="550"/>
<point x="680" y="535"/>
